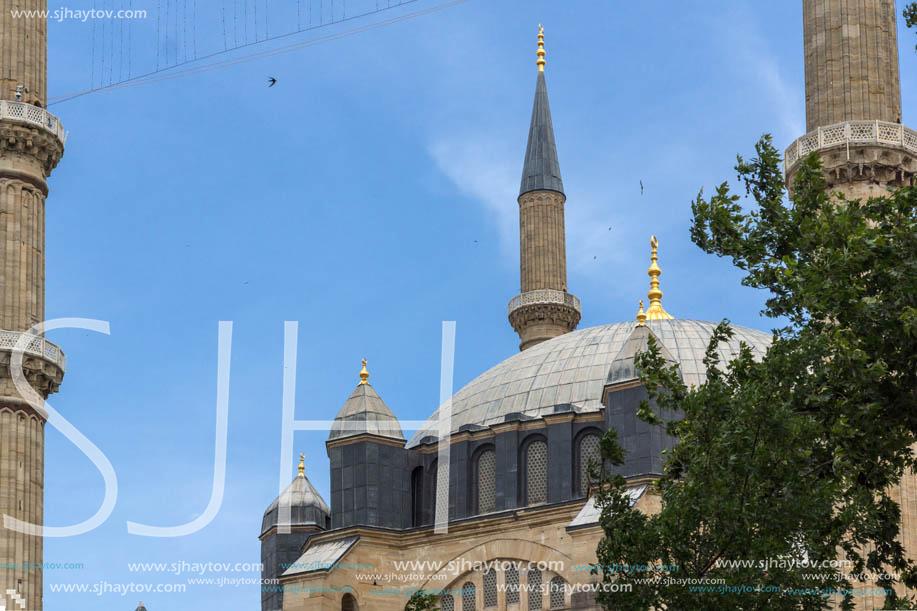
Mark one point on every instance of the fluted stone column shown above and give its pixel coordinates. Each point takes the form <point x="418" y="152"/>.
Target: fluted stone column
<point x="23" y="51"/>
<point x="31" y="144"/>
<point x="851" y="61"/>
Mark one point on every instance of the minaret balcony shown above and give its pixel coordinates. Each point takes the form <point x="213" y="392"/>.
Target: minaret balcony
<point x="544" y="297"/>
<point x="35" y="346"/>
<point x="20" y="112"/>
<point x="847" y="134"/>
<point x="43" y="363"/>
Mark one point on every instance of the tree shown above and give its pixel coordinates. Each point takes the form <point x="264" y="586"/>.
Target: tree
<point x="910" y="15"/>
<point x="421" y="601"/>
<point x="789" y="459"/>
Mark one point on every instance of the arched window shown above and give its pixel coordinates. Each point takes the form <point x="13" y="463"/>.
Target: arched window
<point x="417" y="496"/>
<point x="447" y="603"/>
<point x="349" y="603"/>
<point x="468" y="601"/>
<point x="534" y="590"/>
<point x="486" y="476"/>
<point x="490" y="589"/>
<point x="512" y="584"/>
<point x="536" y="472"/>
<point x="557" y="593"/>
<point x="435" y="497"/>
<point x="588" y="451"/>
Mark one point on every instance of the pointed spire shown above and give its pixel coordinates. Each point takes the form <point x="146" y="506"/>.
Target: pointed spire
<point x="364" y="374"/>
<point x="641" y="316"/>
<point x="655" y="311"/>
<point x="541" y="170"/>
<point x="302" y="465"/>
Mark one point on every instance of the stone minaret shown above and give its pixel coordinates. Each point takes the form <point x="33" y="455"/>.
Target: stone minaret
<point x="543" y="309"/>
<point x="853" y="98"/>
<point x="31" y="144"/>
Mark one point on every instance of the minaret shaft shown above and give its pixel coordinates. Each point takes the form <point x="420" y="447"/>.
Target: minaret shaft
<point x="542" y="248"/>
<point x="851" y="62"/>
<point x="31" y="144"/>
<point x="23" y="51"/>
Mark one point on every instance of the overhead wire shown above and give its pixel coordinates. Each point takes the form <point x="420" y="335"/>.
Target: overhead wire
<point x="169" y="73"/>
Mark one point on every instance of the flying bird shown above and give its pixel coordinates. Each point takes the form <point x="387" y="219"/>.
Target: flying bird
<point x="641" y="187"/>
<point x="272" y="81"/>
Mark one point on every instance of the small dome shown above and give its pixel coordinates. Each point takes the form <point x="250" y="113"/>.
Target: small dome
<point x="307" y="507"/>
<point x="365" y="412"/>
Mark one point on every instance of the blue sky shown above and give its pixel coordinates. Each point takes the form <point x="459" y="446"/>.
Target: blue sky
<point x="370" y="195"/>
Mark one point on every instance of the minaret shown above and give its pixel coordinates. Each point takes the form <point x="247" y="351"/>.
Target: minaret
<point x="543" y="309"/>
<point x="853" y="98"/>
<point x="31" y="144"/>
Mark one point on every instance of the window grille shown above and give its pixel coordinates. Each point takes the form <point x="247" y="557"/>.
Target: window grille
<point x="557" y="593"/>
<point x="534" y="590"/>
<point x="512" y="585"/>
<point x="468" y="602"/>
<point x="447" y="603"/>
<point x="588" y="451"/>
<point x="536" y="473"/>
<point x="490" y="589"/>
<point x="487" y="477"/>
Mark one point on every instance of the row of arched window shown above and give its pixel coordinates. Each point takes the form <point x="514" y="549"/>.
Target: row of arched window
<point x="536" y="600"/>
<point x="533" y="468"/>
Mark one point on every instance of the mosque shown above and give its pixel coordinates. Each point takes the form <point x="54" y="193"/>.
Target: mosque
<point x="518" y="438"/>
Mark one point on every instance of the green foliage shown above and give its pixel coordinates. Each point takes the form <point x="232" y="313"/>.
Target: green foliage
<point x="792" y="457"/>
<point x="420" y="601"/>
<point x="910" y="15"/>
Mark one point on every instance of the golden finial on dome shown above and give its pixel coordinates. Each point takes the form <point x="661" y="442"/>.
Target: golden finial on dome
<point x="364" y="374"/>
<point x="641" y="316"/>
<point x="302" y="465"/>
<point x="655" y="311"/>
<point x="540" y="60"/>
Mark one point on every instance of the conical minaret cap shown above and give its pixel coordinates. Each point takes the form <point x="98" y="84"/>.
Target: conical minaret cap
<point x="541" y="169"/>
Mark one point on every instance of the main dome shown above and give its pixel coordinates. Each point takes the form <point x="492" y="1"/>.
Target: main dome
<point x="573" y="368"/>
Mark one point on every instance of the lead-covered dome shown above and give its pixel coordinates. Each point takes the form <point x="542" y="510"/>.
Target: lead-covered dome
<point x="307" y="507"/>
<point x="573" y="369"/>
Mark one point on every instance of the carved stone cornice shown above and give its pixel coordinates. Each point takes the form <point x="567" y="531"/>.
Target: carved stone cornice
<point x="35" y="142"/>
<point x="560" y="314"/>
<point x="876" y="163"/>
<point x="42" y="375"/>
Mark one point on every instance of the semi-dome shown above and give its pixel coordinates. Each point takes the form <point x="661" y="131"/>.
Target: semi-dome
<point x="574" y="368"/>
<point x="307" y="507"/>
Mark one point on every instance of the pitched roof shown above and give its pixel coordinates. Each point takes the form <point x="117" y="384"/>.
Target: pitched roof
<point x="365" y="412"/>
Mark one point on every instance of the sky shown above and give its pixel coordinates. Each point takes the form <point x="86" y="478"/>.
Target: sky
<point x="369" y="195"/>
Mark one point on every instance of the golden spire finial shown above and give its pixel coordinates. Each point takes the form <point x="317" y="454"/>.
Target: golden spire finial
<point x="540" y="60"/>
<point x="641" y="316"/>
<point x="302" y="465"/>
<point x="655" y="311"/>
<point x="364" y="374"/>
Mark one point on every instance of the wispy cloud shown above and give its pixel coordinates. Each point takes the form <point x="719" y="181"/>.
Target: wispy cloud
<point x="754" y="58"/>
<point x="485" y="167"/>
